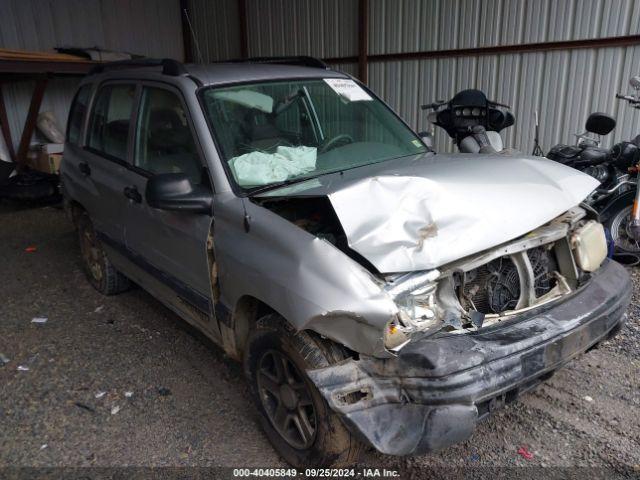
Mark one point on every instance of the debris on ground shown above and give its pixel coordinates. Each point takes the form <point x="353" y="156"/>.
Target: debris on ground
<point x="587" y="398"/>
<point x="31" y="249"/>
<point x="39" y="320"/>
<point x="99" y="309"/>
<point x="115" y="409"/>
<point x="84" y="407"/>
<point x="23" y="368"/>
<point x="164" y="392"/>
<point x="44" y="445"/>
<point x="100" y="394"/>
<point x="3" y="359"/>
<point x="128" y="394"/>
<point x="525" y="453"/>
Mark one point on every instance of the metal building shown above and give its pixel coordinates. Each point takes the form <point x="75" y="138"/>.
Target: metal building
<point x="562" y="58"/>
<point x="145" y="27"/>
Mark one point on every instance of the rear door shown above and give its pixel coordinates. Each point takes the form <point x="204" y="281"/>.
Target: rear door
<point x="170" y="246"/>
<point x="105" y="159"/>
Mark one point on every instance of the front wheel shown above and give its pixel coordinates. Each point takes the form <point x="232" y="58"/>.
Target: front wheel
<point x="618" y="225"/>
<point x="297" y="420"/>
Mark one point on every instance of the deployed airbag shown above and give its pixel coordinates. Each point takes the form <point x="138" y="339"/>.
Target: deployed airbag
<point x="260" y="168"/>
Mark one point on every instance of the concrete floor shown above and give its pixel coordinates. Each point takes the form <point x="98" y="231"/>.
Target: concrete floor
<point x="189" y="404"/>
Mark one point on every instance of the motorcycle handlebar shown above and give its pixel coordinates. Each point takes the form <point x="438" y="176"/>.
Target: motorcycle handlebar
<point x="498" y="104"/>
<point x="628" y="98"/>
<point x="433" y="106"/>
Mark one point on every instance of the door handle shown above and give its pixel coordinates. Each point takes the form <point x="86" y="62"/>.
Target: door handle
<point x="84" y="168"/>
<point x="132" y="193"/>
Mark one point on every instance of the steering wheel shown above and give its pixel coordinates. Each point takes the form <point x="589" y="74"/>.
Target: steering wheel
<point x="334" y="142"/>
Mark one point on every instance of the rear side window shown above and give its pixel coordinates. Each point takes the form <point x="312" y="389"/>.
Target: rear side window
<point x="110" y="119"/>
<point x="164" y="142"/>
<point x="76" y="114"/>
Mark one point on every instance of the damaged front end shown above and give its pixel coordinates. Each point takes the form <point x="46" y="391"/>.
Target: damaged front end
<point x="439" y="386"/>
<point x="501" y="283"/>
<point x="478" y="332"/>
<point x="472" y="306"/>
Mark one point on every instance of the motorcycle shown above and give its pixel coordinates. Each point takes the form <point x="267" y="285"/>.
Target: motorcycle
<point x="634" y="102"/>
<point x="613" y="200"/>
<point x="471" y="120"/>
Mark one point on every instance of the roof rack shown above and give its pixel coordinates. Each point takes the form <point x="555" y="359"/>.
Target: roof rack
<point x="300" y="61"/>
<point x="169" y="66"/>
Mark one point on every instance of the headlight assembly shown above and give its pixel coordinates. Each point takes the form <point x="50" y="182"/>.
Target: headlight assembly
<point x="417" y="312"/>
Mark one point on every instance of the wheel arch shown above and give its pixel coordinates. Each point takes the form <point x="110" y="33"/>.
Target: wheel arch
<point x="247" y="311"/>
<point x="73" y="209"/>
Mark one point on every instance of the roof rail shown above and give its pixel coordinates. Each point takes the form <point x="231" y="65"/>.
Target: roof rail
<point x="169" y="66"/>
<point x="301" y="61"/>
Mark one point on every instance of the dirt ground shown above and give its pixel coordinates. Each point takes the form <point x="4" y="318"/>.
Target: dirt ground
<point x="122" y="381"/>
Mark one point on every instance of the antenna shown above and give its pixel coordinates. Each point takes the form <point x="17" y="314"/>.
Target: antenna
<point x="193" y="35"/>
<point x="537" y="151"/>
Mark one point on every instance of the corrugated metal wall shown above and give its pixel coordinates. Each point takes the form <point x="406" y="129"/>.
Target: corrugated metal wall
<point x="145" y="27"/>
<point x="563" y="86"/>
<point x="321" y="28"/>
<point x="216" y="27"/>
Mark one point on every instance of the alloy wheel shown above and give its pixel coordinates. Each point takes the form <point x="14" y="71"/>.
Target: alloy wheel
<point x="286" y="399"/>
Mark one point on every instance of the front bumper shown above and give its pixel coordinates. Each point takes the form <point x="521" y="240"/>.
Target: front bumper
<point x="436" y="390"/>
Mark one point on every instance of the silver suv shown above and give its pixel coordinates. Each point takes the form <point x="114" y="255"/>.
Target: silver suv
<point x="378" y="293"/>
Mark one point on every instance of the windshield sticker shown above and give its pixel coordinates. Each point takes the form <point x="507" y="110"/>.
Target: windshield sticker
<point x="417" y="143"/>
<point x="348" y="89"/>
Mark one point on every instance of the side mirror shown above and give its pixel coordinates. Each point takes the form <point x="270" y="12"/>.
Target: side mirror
<point x="427" y="139"/>
<point x="635" y="82"/>
<point x="600" y="123"/>
<point x="174" y="191"/>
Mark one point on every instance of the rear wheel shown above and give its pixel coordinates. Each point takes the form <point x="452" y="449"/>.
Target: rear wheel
<point x="297" y="420"/>
<point x="618" y="225"/>
<point x="99" y="270"/>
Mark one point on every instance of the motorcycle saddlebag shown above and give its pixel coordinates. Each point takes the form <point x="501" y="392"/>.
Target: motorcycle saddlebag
<point x="565" y="154"/>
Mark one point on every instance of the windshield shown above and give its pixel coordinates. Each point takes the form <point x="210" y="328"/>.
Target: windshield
<point x="278" y="132"/>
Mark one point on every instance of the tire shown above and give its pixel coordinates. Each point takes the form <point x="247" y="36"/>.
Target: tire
<point x="327" y="441"/>
<point x="99" y="270"/>
<point x="617" y="225"/>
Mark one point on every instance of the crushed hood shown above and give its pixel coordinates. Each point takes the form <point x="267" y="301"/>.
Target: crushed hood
<point x="418" y="213"/>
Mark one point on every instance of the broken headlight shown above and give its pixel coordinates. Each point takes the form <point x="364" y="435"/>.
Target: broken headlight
<point x="414" y="296"/>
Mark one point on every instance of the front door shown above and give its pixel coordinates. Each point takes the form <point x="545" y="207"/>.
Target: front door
<point x="171" y="246"/>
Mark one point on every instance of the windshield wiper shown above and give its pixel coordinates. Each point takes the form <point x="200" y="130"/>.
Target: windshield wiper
<point x="284" y="183"/>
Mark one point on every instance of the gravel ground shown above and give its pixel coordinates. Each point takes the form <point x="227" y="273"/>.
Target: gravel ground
<point x="122" y="381"/>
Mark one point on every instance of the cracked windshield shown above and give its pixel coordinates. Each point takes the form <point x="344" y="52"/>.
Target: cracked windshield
<point x="282" y="132"/>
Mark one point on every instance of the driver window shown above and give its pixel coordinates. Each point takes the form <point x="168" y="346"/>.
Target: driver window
<point x="164" y="142"/>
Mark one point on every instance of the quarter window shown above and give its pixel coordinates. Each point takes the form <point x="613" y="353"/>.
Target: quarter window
<point x="76" y="114"/>
<point x="164" y="142"/>
<point x="110" y="119"/>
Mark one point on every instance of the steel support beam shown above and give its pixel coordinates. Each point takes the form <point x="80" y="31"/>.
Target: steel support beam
<point x="363" y="40"/>
<point x="243" y="28"/>
<point x="32" y="117"/>
<point x="187" y="43"/>
<point x="607" y="42"/>
<point x="4" y="125"/>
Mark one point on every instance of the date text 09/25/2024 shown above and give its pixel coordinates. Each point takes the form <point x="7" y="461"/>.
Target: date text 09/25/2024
<point x="316" y="473"/>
